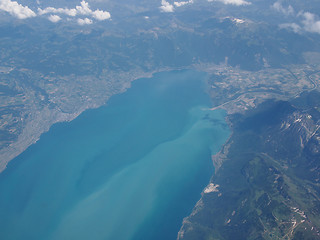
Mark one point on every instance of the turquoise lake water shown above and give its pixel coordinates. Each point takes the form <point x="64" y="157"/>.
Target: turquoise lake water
<point x="129" y="170"/>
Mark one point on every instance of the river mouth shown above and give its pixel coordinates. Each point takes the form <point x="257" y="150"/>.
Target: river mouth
<point x="129" y="170"/>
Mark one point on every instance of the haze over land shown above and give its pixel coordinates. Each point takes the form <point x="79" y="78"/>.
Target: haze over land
<point x="262" y="59"/>
<point x="54" y="65"/>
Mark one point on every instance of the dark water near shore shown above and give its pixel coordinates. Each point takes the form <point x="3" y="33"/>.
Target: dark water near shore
<point x="129" y="170"/>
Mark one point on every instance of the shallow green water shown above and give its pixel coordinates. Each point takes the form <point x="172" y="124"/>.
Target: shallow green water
<point x="129" y="170"/>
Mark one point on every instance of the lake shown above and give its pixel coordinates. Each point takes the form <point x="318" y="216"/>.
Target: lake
<point x="132" y="169"/>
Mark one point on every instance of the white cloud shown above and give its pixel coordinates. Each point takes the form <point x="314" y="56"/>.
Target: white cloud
<point x="292" y="26"/>
<point x="22" y="12"/>
<point x="179" y="4"/>
<point x="66" y="11"/>
<point x="310" y="24"/>
<point x="84" y="10"/>
<point x="16" y="9"/>
<point x="85" y="21"/>
<point x="101" y="15"/>
<point x="166" y="7"/>
<point x="287" y="11"/>
<point x="54" y="18"/>
<point x="232" y="2"/>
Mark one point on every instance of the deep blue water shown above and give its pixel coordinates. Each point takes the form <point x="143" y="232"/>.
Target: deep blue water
<point x="129" y="170"/>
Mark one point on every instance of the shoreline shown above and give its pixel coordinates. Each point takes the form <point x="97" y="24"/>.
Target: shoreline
<point x="32" y="132"/>
<point x="217" y="160"/>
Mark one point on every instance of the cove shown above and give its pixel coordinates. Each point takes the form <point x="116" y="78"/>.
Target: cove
<point x="129" y="170"/>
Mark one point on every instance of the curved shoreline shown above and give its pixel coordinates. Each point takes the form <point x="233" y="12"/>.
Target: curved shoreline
<point x="41" y="122"/>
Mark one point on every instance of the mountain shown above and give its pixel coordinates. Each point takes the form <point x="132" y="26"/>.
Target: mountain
<point x="268" y="184"/>
<point x="262" y="60"/>
<point x="52" y="71"/>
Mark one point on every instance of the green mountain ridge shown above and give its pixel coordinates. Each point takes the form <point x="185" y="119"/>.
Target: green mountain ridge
<point x="269" y="183"/>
